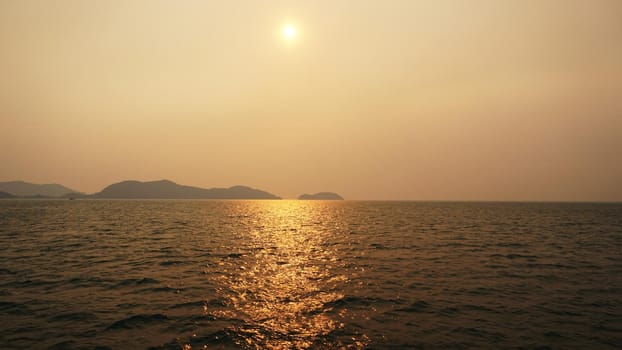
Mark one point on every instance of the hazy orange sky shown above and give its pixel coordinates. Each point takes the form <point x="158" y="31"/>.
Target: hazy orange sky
<point x="466" y="100"/>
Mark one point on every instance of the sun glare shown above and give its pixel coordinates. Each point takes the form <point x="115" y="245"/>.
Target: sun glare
<point x="289" y="32"/>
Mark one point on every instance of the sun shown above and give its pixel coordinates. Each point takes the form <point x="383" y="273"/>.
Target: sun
<point x="289" y="32"/>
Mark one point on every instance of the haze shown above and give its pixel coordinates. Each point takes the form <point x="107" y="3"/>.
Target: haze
<point x="449" y="100"/>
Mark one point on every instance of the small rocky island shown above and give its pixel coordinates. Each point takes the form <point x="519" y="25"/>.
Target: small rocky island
<point x="321" y="196"/>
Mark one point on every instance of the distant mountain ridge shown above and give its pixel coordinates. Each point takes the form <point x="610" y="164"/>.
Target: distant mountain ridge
<point x="166" y="189"/>
<point x="321" y="196"/>
<point x="27" y="189"/>
<point x="132" y="189"/>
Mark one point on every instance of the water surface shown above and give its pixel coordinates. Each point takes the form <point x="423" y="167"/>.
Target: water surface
<point x="309" y="274"/>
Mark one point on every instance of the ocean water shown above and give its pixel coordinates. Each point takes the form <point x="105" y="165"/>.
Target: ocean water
<point x="309" y="274"/>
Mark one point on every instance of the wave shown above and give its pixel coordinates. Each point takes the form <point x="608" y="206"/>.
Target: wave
<point x="138" y="321"/>
<point x="418" y="306"/>
<point x="9" y="307"/>
<point x="130" y="282"/>
<point x="74" y="316"/>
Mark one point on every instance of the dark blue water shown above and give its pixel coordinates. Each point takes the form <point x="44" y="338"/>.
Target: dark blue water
<point x="305" y="274"/>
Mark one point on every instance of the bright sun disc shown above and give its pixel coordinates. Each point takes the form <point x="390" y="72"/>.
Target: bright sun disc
<point x="289" y="32"/>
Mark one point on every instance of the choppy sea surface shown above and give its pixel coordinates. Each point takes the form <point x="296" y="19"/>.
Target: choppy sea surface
<point x="309" y="274"/>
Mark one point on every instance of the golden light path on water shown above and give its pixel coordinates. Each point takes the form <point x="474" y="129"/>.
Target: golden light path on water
<point x="284" y="277"/>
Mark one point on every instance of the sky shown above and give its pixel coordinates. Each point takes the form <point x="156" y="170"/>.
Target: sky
<point x="423" y="100"/>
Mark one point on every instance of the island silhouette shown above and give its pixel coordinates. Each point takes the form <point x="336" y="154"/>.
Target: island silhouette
<point x="27" y="189"/>
<point x="321" y="196"/>
<point x="166" y="189"/>
<point x="131" y="189"/>
<point x="6" y="195"/>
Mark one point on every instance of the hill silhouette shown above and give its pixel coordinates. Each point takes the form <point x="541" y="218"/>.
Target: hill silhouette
<point x="166" y="189"/>
<point x="321" y="196"/>
<point x="26" y="189"/>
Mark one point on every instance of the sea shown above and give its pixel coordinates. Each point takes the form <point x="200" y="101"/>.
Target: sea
<point x="287" y="274"/>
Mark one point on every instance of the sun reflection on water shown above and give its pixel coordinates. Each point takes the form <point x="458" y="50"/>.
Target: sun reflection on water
<point x="283" y="281"/>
